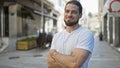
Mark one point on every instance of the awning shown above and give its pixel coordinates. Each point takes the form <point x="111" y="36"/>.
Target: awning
<point x="30" y="4"/>
<point x="40" y="13"/>
<point x="27" y="12"/>
<point x="33" y="6"/>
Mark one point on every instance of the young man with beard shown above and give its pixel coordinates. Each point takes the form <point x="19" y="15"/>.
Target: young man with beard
<point x="71" y="48"/>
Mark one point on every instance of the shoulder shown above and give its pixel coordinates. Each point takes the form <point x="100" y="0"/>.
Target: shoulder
<point x="59" y="33"/>
<point x="85" y="32"/>
<point x="56" y="35"/>
<point x="86" y="39"/>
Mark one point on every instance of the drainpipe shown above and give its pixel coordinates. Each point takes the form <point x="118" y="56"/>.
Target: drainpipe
<point x="2" y="17"/>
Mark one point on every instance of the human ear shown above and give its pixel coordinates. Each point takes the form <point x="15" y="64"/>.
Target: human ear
<point x="80" y="15"/>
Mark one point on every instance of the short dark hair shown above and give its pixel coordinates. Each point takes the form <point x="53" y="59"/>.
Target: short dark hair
<point x="75" y="2"/>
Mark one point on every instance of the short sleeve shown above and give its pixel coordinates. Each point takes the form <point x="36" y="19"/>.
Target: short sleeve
<point x="86" y="41"/>
<point x="53" y="43"/>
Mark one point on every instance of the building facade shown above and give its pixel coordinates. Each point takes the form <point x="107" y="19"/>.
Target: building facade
<point x="109" y="16"/>
<point x="23" y="18"/>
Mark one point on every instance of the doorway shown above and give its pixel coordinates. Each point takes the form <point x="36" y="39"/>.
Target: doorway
<point x="6" y="22"/>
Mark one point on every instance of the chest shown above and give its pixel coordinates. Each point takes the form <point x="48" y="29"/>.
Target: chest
<point x="65" y="44"/>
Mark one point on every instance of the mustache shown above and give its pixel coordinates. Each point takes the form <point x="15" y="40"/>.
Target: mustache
<point x="69" y="17"/>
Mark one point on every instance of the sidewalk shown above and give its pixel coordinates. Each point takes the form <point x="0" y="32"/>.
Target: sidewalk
<point x="104" y="56"/>
<point x="34" y="58"/>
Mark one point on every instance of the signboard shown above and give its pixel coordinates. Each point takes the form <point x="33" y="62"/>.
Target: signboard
<point x="114" y="6"/>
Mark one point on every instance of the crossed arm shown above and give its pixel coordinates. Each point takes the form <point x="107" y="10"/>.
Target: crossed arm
<point x="75" y="60"/>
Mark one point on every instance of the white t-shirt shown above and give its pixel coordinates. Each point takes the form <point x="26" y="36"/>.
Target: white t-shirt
<point x="65" y="42"/>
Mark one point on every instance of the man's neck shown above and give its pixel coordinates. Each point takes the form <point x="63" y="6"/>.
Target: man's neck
<point x="72" y="28"/>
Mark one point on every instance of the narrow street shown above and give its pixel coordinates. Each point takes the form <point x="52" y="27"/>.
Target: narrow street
<point x="34" y="58"/>
<point x="103" y="56"/>
<point x="39" y="20"/>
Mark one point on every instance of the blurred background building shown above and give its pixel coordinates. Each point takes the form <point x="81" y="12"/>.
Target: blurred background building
<point x="23" y="18"/>
<point x="109" y="17"/>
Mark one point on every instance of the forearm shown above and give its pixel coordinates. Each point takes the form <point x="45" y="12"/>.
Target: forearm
<point x="65" y="60"/>
<point x="75" y="60"/>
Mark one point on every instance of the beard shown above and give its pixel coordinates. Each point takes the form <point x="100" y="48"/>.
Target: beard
<point x="71" y="23"/>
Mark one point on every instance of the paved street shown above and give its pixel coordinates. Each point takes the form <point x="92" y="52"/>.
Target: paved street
<point x="35" y="58"/>
<point x="103" y="57"/>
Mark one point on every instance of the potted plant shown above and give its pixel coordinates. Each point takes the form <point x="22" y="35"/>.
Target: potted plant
<point x="26" y="44"/>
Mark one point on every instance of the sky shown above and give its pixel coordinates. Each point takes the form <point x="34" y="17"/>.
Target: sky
<point x="90" y="5"/>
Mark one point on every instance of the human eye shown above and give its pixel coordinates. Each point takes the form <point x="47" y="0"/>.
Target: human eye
<point x="74" y="12"/>
<point x="66" y="11"/>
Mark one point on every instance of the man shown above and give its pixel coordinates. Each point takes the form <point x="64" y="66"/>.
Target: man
<point x="71" y="48"/>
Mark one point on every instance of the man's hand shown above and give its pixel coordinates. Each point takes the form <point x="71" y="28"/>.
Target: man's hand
<point x="51" y="62"/>
<point x="51" y="52"/>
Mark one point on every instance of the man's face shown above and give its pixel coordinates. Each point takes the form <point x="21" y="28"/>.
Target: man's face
<point x="71" y="15"/>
